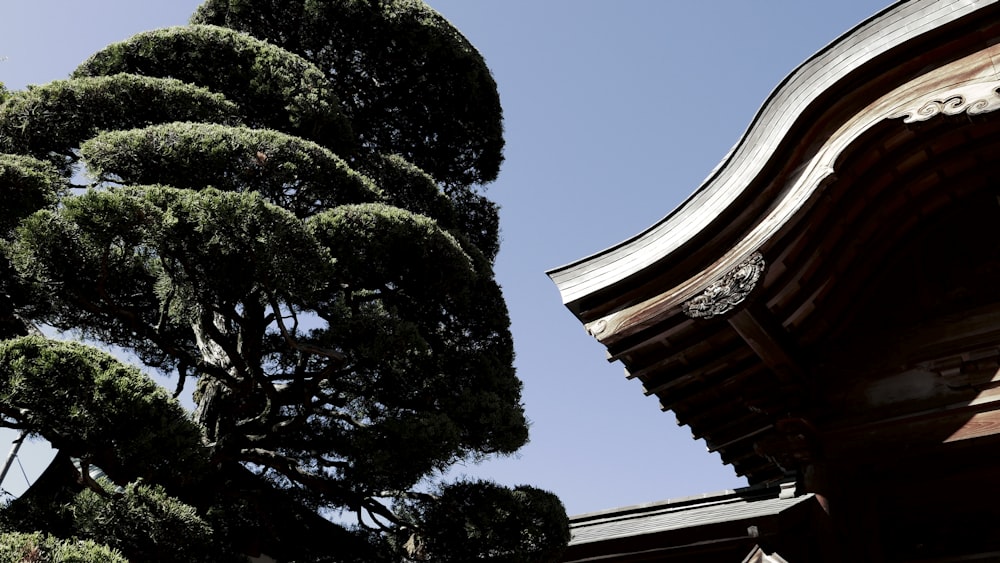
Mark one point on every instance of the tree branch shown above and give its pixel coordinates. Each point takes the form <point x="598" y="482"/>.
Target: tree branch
<point x="295" y="345"/>
<point x="182" y="368"/>
<point x="89" y="482"/>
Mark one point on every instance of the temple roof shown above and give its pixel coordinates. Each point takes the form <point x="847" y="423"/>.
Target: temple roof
<point x="807" y="300"/>
<point x="703" y="525"/>
<point x="868" y="49"/>
<point x="714" y="508"/>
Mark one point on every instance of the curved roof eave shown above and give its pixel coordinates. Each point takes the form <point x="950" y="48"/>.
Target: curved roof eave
<point x="890" y="28"/>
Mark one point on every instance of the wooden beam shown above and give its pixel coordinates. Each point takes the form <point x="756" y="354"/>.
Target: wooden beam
<point x="764" y="338"/>
<point x="916" y="432"/>
<point x="981" y="424"/>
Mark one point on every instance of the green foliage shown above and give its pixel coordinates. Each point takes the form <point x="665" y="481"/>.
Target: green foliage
<point x="296" y="174"/>
<point x="28" y="515"/>
<point x="478" y="219"/>
<point x="138" y="266"/>
<point x="39" y="548"/>
<point x="483" y="521"/>
<point x="50" y="121"/>
<point x="79" y="257"/>
<point x="466" y="213"/>
<point x="91" y="406"/>
<point x="407" y="285"/>
<point x="396" y="281"/>
<point x="408" y="187"/>
<point x="26" y="185"/>
<point x="411" y="84"/>
<point x="146" y="524"/>
<point x="275" y="88"/>
<point x="333" y="296"/>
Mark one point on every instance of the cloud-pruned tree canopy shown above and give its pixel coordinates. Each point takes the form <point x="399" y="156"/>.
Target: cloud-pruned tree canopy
<point x="49" y="122"/>
<point x="275" y="88"/>
<point x="410" y="82"/>
<point x="297" y="174"/>
<point x="89" y="405"/>
<point x="290" y="214"/>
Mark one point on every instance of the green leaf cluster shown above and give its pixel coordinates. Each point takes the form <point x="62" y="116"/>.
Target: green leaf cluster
<point x="19" y="547"/>
<point x="483" y="521"/>
<point x="91" y="406"/>
<point x="296" y="174"/>
<point x="275" y="88"/>
<point x="26" y="185"/>
<point x="50" y="121"/>
<point x="411" y="84"/>
<point x="146" y="524"/>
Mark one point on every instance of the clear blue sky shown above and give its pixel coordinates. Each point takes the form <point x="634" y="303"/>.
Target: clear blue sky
<point x="614" y="113"/>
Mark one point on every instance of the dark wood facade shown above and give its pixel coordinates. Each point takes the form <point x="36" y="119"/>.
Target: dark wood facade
<point x="826" y="307"/>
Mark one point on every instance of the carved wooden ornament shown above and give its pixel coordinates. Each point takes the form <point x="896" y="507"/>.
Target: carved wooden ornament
<point x="724" y="295"/>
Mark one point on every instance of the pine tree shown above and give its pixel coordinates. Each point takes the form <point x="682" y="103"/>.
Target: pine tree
<point x="283" y="203"/>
